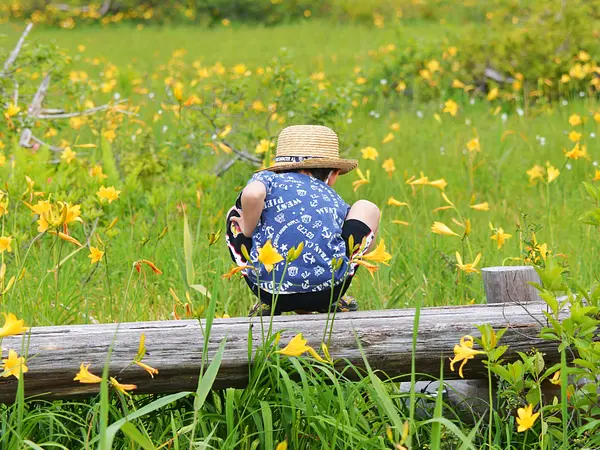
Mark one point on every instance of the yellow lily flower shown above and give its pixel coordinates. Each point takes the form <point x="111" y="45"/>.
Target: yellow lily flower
<point x="85" y="376"/>
<point x="298" y="347"/>
<point x="526" y="418"/>
<point x="66" y="237"/>
<point x="123" y="388"/>
<point x="577" y="152"/>
<point x="379" y="254"/>
<point x="361" y="179"/>
<point x="485" y="206"/>
<point x="473" y="145"/>
<point x="499" y="236"/>
<point x="369" y="153"/>
<point x="263" y="146"/>
<point x="372" y="268"/>
<point x="440" y="184"/>
<point x="535" y="173"/>
<point x="138" y="266"/>
<point x="268" y="256"/>
<point x="389" y="166"/>
<point x="68" y="155"/>
<point x="423" y="180"/>
<point x="151" y="370"/>
<point x="574" y="136"/>
<point x="233" y="271"/>
<point x="464" y="352"/>
<point x="450" y="107"/>
<point x="13" y="365"/>
<point x="12" y="325"/>
<point x="553" y="173"/>
<point x="443" y="229"/>
<point x="12" y="110"/>
<point x="388" y="138"/>
<point x="5" y="244"/>
<point x="467" y="268"/>
<point x="393" y="202"/>
<point x="108" y="193"/>
<point x="574" y="120"/>
<point x="95" y="255"/>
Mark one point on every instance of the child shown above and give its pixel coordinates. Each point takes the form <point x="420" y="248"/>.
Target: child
<point x="290" y="203"/>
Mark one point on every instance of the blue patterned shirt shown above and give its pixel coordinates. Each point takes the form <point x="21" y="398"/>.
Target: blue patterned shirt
<point x="299" y="208"/>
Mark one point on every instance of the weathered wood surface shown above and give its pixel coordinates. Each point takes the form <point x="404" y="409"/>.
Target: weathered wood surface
<point x="174" y="347"/>
<point x="506" y="284"/>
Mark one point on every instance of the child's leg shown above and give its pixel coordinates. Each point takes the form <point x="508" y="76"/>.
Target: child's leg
<point x="368" y="215"/>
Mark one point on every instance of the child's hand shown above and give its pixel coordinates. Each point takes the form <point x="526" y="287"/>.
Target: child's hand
<point x="239" y="221"/>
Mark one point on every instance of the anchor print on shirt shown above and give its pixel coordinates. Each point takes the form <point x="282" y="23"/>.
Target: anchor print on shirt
<point x="299" y="208"/>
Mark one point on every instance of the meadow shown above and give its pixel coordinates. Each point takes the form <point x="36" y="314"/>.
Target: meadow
<point x="463" y="172"/>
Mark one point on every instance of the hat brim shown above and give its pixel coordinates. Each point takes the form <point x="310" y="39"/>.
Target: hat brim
<point x="343" y="165"/>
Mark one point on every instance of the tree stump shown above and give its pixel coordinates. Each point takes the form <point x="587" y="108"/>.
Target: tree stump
<point x="510" y="284"/>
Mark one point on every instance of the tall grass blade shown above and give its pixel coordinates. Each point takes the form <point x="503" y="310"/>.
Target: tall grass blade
<point x="132" y="432"/>
<point x="267" y="416"/>
<point x="208" y="378"/>
<point x="108" y="162"/>
<point x="413" y="368"/>
<point x="382" y="398"/>
<point x="109" y="436"/>
<point x="436" y="427"/>
<point x="188" y="255"/>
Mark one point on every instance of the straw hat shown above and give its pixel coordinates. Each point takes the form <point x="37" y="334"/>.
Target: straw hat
<point x="309" y="147"/>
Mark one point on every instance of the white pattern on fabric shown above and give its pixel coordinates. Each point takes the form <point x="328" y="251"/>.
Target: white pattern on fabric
<point x="300" y="208"/>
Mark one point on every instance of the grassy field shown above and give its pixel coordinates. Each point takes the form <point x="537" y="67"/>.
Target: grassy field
<point x="511" y="143"/>
<point x="487" y="153"/>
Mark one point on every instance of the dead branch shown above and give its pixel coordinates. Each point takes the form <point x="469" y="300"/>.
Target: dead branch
<point x="13" y="56"/>
<point x="67" y="8"/>
<point x="494" y="75"/>
<point x="36" y="104"/>
<point x="27" y="136"/>
<point x="86" y="112"/>
<point x="52" y="111"/>
<point x="225" y="167"/>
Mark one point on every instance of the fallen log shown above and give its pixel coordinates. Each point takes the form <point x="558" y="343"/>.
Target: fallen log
<point x="55" y="353"/>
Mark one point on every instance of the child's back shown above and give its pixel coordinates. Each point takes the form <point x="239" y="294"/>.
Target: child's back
<point x="300" y="209"/>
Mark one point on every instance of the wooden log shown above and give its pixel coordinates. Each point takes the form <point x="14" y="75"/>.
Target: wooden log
<point x="174" y="347"/>
<point x="507" y="284"/>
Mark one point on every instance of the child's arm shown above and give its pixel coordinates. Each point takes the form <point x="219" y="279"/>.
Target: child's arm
<point x="253" y="203"/>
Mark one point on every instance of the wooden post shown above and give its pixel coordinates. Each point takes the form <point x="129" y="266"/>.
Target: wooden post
<point x="174" y="347"/>
<point x="510" y="284"/>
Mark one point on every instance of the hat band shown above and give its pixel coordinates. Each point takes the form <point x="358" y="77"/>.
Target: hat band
<point x="295" y="159"/>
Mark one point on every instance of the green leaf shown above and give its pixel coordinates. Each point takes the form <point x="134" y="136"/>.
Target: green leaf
<point x="190" y="273"/>
<point x="108" y="162"/>
<point x="131" y="431"/>
<point x="591" y="217"/>
<point x="208" y="378"/>
<point x="200" y="288"/>
<point x="32" y="445"/>
<point x="267" y="416"/>
<point x="550" y="300"/>
<point x="591" y="190"/>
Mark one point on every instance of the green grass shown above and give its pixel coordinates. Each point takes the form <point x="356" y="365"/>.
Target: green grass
<point x="313" y="45"/>
<point x="423" y="262"/>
